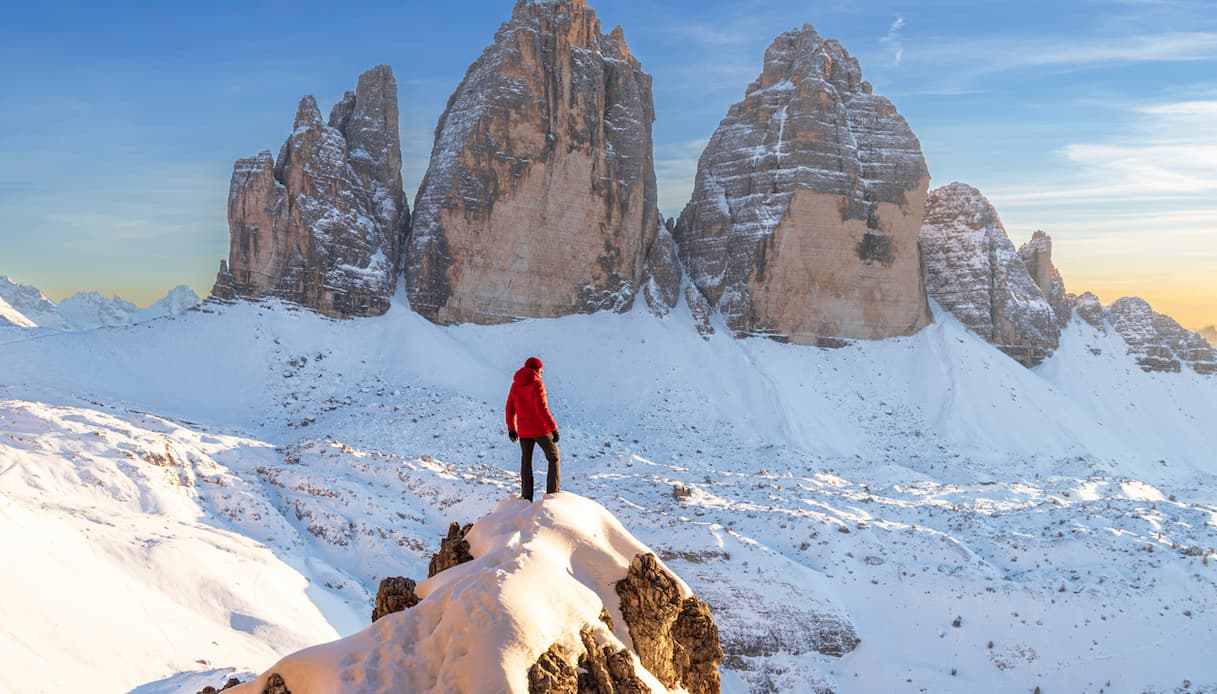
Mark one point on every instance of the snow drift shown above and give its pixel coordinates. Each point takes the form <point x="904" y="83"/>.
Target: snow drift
<point x="543" y="595"/>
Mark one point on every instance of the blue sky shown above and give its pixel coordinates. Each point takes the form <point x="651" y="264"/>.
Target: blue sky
<point x="1095" y="120"/>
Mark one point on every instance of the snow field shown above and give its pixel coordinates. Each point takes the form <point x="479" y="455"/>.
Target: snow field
<point x="969" y="487"/>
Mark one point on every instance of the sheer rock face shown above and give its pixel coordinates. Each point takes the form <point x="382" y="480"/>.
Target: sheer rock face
<point x="323" y="225"/>
<point x="1157" y="341"/>
<point x="1037" y="256"/>
<point x="674" y="636"/>
<point x="807" y="203"/>
<point x="540" y="197"/>
<point x="973" y="271"/>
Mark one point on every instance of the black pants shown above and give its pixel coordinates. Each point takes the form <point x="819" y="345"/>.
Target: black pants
<point x="552" y="478"/>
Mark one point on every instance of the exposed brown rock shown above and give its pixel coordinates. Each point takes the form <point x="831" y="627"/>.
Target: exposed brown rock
<point x="551" y="674"/>
<point x="973" y="271"/>
<point x="808" y="199"/>
<point x="605" y="670"/>
<point x="1037" y="257"/>
<point x="453" y="550"/>
<point x="276" y="685"/>
<point x="540" y="199"/>
<point x="675" y="639"/>
<point x="395" y="594"/>
<point x="232" y="682"/>
<point x="323" y="225"/>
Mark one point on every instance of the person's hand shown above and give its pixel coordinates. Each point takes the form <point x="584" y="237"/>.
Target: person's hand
<point x="555" y="436"/>
<point x="513" y="436"/>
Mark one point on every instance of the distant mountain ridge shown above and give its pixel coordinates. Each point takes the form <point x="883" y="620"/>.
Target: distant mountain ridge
<point x="26" y="306"/>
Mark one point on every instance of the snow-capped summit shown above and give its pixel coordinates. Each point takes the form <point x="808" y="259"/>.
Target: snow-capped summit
<point x="179" y="300"/>
<point x="88" y="310"/>
<point x="31" y="303"/>
<point x="85" y="310"/>
<point x="559" y="595"/>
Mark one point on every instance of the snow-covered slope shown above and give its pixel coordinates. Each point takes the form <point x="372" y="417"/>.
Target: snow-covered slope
<point x="884" y="488"/>
<point x="32" y="303"/>
<point x="10" y="316"/>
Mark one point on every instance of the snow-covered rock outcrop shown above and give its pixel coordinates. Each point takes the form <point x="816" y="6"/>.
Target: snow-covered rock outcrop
<point x="973" y="271"/>
<point x="323" y="225"/>
<point x="540" y="197"/>
<point x="1157" y="341"/>
<point x="558" y="597"/>
<point x="804" y="217"/>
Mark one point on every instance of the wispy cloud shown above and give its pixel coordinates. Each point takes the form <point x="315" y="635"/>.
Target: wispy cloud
<point x="967" y="59"/>
<point x="1169" y="152"/>
<point x="892" y="41"/>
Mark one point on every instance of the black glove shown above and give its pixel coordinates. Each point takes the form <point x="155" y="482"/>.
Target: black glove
<point x="555" y="436"/>
<point x="513" y="436"/>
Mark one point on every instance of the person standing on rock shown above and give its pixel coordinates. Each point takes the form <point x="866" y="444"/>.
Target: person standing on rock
<point x="530" y="422"/>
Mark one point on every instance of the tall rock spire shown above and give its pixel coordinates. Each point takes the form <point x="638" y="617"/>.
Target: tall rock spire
<point x="804" y="216"/>
<point x="539" y="200"/>
<point x="323" y="225"/>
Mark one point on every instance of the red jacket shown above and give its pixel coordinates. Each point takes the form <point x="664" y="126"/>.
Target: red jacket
<point x="527" y="407"/>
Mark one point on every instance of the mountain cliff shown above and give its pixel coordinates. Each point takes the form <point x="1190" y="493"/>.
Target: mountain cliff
<point x="805" y="210"/>
<point x="974" y="272"/>
<point x="540" y="198"/>
<point x="1157" y="341"/>
<point x="322" y="225"/>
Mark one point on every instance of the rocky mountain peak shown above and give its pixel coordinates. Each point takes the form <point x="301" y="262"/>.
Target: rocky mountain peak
<point x="539" y="200"/>
<point x="804" y="216"/>
<point x="974" y="272"/>
<point x="1157" y="341"/>
<point x="1037" y="256"/>
<point x="323" y="225"/>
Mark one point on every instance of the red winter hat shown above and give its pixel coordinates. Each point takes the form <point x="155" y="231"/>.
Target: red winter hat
<point x="533" y="363"/>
